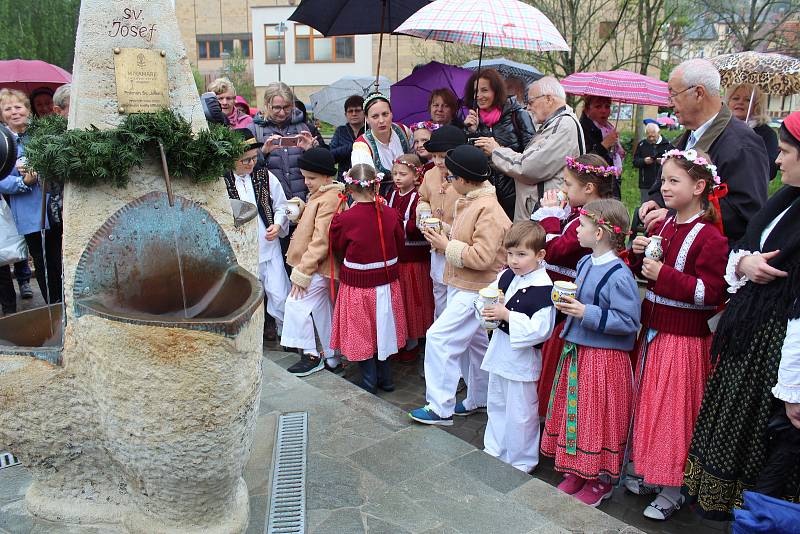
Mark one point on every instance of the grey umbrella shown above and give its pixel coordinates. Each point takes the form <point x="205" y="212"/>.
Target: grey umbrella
<point x="507" y="68"/>
<point x="328" y="103"/>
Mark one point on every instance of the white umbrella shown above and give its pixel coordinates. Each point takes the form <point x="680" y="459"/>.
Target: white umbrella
<point x="328" y="103"/>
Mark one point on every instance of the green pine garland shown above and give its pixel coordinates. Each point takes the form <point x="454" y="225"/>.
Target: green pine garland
<point x="93" y="156"/>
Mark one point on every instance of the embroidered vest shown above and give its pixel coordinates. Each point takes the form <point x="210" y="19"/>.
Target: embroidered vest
<point x="527" y="300"/>
<point x="260" y="181"/>
<point x="373" y="146"/>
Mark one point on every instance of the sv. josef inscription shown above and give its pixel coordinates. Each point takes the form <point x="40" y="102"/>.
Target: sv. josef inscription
<point x="130" y="24"/>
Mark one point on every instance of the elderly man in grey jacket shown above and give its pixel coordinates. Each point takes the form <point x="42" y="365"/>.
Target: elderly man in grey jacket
<point x="540" y="167"/>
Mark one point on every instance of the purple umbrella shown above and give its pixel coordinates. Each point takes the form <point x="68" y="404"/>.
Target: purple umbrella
<point x="410" y="95"/>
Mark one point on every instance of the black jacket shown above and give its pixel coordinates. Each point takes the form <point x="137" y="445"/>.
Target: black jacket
<point x="742" y="163"/>
<point x="649" y="172"/>
<point x="282" y="162"/>
<point x="594" y="139"/>
<point x="514" y="130"/>
<point x="342" y="146"/>
<point x="770" y="139"/>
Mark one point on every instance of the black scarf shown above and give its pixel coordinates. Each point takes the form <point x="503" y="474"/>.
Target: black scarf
<point x="754" y="304"/>
<point x="260" y="180"/>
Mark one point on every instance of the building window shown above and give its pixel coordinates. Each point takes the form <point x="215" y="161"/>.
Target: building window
<point x="274" y="45"/>
<point x="227" y="46"/>
<point x="213" y="48"/>
<point x="247" y="48"/>
<point x="311" y="47"/>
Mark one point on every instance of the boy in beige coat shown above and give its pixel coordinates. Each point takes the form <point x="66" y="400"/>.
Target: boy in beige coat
<point x="474" y="253"/>
<point x="309" y="304"/>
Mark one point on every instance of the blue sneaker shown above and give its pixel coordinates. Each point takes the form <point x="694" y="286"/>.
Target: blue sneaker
<point x="427" y="416"/>
<point x="463" y="412"/>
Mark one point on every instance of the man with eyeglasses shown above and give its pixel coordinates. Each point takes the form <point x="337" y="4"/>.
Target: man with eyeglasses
<point x="739" y="153"/>
<point x="346" y="134"/>
<point x="262" y="189"/>
<point x="540" y="166"/>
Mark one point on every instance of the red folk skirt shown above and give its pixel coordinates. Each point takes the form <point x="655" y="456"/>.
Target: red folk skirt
<point x="357" y="322"/>
<point x="417" y="289"/>
<point x="551" y="353"/>
<point x="676" y="369"/>
<point x="604" y="401"/>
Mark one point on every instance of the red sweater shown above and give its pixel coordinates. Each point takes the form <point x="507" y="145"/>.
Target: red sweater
<point x="564" y="250"/>
<point x="355" y="241"/>
<point x="690" y="286"/>
<point x="416" y="248"/>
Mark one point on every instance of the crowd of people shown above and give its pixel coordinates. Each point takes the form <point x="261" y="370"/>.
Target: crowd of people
<point x="463" y="236"/>
<point x="495" y="249"/>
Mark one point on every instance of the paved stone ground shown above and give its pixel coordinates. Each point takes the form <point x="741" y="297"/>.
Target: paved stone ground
<point x="410" y="394"/>
<point x="371" y="470"/>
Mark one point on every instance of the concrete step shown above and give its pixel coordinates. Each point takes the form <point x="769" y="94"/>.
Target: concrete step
<point x="371" y="469"/>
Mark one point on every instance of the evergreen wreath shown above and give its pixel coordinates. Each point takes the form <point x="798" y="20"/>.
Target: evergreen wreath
<point x="93" y="156"/>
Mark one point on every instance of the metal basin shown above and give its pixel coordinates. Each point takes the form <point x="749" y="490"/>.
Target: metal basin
<point x="162" y="265"/>
<point x="37" y="332"/>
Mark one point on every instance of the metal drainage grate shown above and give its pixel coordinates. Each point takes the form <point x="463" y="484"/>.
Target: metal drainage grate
<point x="287" y="508"/>
<point x="7" y="460"/>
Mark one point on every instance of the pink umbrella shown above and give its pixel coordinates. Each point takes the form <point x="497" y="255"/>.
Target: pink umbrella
<point x="29" y="74"/>
<point x="619" y="85"/>
<point x="666" y="121"/>
<point x="500" y="23"/>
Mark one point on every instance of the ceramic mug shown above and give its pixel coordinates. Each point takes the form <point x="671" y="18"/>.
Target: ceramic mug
<point x="433" y="223"/>
<point x="563" y="289"/>
<point x="294" y="207"/>
<point x="654" y="250"/>
<point x="422" y="215"/>
<point x="487" y="297"/>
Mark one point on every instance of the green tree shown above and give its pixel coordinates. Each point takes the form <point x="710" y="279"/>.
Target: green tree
<point x="234" y="67"/>
<point x="39" y="30"/>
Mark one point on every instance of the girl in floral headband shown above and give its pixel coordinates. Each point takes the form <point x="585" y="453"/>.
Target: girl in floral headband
<point x="590" y="405"/>
<point x="368" y="319"/>
<point x="685" y="287"/>
<point x="586" y="178"/>
<point x="421" y="133"/>
<point x="415" y="258"/>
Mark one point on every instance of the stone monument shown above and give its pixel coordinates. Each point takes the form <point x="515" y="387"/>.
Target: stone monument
<point x="144" y="417"/>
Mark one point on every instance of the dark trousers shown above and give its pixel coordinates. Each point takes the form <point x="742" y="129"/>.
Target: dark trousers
<point x="52" y="249"/>
<point x="22" y="271"/>
<point x="8" y="297"/>
<point x="375" y="373"/>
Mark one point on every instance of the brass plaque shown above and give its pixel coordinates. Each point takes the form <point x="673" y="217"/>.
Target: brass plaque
<point x="142" y="84"/>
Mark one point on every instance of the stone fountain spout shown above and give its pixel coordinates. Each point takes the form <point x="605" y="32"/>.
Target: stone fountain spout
<point x="139" y="410"/>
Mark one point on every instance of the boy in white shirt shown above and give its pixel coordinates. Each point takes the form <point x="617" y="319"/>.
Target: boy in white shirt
<point x="514" y="358"/>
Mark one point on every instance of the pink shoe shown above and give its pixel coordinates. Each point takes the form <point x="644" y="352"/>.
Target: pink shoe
<point x="571" y="484"/>
<point x="594" y="492"/>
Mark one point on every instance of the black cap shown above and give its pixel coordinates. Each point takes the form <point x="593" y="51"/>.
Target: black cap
<point x="468" y="162"/>
<point x="445" y="138"/>
<point x="250" y="140"/>
<point x="319" y="160"/>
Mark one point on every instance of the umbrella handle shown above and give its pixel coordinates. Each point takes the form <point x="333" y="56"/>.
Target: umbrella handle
<point x="478" y="77"/>
<point x="750" y="105"/>
<point x="380" y="47"/>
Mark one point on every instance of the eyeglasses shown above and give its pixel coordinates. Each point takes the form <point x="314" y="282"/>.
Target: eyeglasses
<point x="248" y="161"/>
<point x="450" y="178"/>
<point x="276" y="109"/>
<point x="673" y="95"/>
<point x="532" y="100"/>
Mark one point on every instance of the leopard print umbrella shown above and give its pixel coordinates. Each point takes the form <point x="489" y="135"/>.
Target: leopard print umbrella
<point x="775" y="74"/>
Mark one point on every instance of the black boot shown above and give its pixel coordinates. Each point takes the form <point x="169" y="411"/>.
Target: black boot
<point x="384" y="375"/>
<point x="369" y="375"/>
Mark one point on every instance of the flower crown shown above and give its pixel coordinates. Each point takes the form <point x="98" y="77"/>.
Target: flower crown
<point x="376" y="95"/>
<point x="614" y="229"/>
<point x="400" y="161"/>
<point x="692" y="157"/>
<point x="592" y="169"/>
<point x="363" y="183"/>
<point x="425" y="125"/>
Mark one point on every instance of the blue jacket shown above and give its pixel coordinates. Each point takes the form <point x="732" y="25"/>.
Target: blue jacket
<point x="613" y="306"/>
<point x="25" y="202"/>
<point x="342" y="146"/>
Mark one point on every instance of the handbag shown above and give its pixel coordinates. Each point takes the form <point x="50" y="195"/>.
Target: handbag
<point x="12" y="245"/>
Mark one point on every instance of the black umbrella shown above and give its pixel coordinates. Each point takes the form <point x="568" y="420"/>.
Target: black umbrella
<point x="356" y="17"/>
<point x="8" y="151"/>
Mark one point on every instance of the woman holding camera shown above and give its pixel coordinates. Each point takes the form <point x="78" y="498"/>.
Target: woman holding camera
<point x="285" y="137"/>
